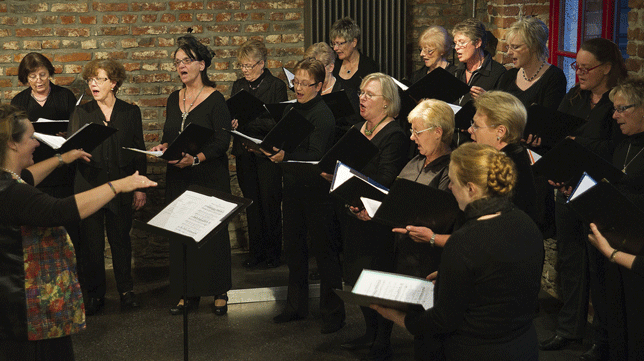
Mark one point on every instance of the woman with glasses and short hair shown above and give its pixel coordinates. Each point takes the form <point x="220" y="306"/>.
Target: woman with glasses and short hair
<point x="477" y="68"/>
<point x="109" y="162"/>
<point x="351" y="65"/>
<point x="599" y="66"/>
<point x="198" y="102"/>
<point x="434" y="44"/>
<point x="259" y="179"/>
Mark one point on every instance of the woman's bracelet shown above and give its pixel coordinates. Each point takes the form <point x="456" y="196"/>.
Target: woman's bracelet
<point x="612" y="255"/>
<point x="112" y="187"/>
<point x="61" y="162"/>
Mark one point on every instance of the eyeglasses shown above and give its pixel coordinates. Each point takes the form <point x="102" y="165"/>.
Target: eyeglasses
<point x="297" y="83"/>
<point x="417" y="132"/>
<point x="583" y="71"/>
<point x="249" y="67"/>
<point x="184" y="61"/>
<point x="34" y="77"/>
<point x="368" y="95"/>
<point x="462" y="44"/>
<point x="514" y="47"/>
<point x="333" y="45"/>
<point x="427" y="51"/>
<point x="477" y="127"/>
<point x="622" y="108"/>
<point x="98" y="81"/>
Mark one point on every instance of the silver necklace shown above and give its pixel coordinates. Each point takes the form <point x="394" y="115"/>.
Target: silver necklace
<point x="535" y="74"/>
<point x="631" y="161"/>
<point x="41" y="100"/>
<point x="12" y="173"/>
<point x="330" y="86"/>
<point x="186" y="111"/>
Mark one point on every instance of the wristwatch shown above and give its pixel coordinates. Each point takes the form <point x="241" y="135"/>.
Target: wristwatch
<point x="195" y="161"/>
<point x="432" y="240"/>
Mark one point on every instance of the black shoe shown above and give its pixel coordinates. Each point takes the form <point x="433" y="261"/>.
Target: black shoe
<point x="251" y="262"/>
<point x="364" y="341"/>
<point x="379" y="353"/>
<point x="287" y="317"/>
<point x="272" y="263"/>
<point x="595" y="353"/>
<point x="190" y="305"/>
<point x="220" y="311"/>
<point x="331" y="327"/>
<point x="94" y="305"/>
<point x="556" y="342"/>
<point x="129" y="301"/>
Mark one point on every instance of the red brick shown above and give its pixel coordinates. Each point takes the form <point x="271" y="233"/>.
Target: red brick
<point x="238" y="40"/>
<point x="30" y="20"/>
<point x="225" y="53"/>
<point x="7" y="20"/>
<point x="150" y="114"/>
<point x="534" y="10"/>
<point x="129" y="19"/>
<point x="277" y="16"/>
<point x="274" y="64"/>
<point x="132" y="66"/>
<point x="288" y="27"/>
<point x="183" y="29"/>
<point x="48" y="20"/>
<point x="221" y="17"/>
<point x="89" y="44"/>
<point x="185" y="18"/>
<point x="241" y="16"/>
<point x="148" y="30"/>
<point x="12" y="71"/>
<point x="631" y="49"/>
<point x="224" y="76"/>
<point x="145" y="55"/>
<point x="289" y="51"/>
<point x="632" y="17"/>
<point x="110" y="19"/>
<point x="27" y="32"/>
<point x="185" y="5"/>
<point x="221" y="40"/>
<point x="10" y="45"/>
<point x="5" y="83"/>
<point x="76" y="32"/>
<point x="293" y="16"/>
<point x="31" y="45"/>
<point x="3" y="8"/>
<point x="166" y="41"/>
<point x="224" y="28"/>
<point x="109" y="7"/>
<point x="257" y="16"/>
<point x="150" y="66"/>
<point x="148" y="18"/>
<point x="223" y="5"/>
<point x="205" y="17"/>
<point x="153" y="102"/>
<point x="273" y="39"/>
<point x="65" y="58"/>
<point x="256" y="28"/>
<point x="220" y="65"/>
<point x="73" y="69"/>
<point x="87" y="20"/>
<point x="633" y="65"/>
<point x="115" y="55"/>
<point x="292" y="38"/>
<point x="115" y="30"/>
<point x="69" y="8"/>
<point x="168" y="18"/>
<point x="151" y="137"/>
<point x="108" y="44"/>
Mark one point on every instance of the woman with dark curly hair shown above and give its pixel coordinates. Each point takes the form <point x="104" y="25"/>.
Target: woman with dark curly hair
<point x="490" y="272"/>
<point x="109" y="162"/>
<point x="198" y="102"/>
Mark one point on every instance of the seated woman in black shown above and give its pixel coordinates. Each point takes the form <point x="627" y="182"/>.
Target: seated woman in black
<point x="490" y="272"/>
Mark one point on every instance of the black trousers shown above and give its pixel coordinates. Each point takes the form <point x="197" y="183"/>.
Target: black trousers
<point x="92" y="250"/>
<point x="261" y="181"/>
<point x="309" y="210"/>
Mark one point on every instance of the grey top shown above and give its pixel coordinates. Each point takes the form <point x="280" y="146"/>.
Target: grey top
<point x="416" y="171"/>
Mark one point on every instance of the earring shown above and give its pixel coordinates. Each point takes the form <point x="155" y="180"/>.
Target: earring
<point x="498" y="138"/>
<point x="385" y="106"/>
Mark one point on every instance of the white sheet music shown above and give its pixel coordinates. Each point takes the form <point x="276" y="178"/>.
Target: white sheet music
<point x="193" y="215"/>
<point x="396" y="287"/>
<point x="370" y="205"/>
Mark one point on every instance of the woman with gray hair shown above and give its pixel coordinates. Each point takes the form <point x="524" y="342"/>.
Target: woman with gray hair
<point x="433" y="44"/>
<point x="477" y="68"/>
<point x="532" y="79"/>
<point x="368" y="244"/>
<point x="259" y="179"/>
<point x="351" y="65"/>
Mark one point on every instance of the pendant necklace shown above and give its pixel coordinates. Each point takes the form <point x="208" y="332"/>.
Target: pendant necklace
<point x="12" y="173"/>
<point x="186" y="111"/>
<point x="631" y="161"/>
<point x="368" y="132"/>
<point x="330" y="86"/>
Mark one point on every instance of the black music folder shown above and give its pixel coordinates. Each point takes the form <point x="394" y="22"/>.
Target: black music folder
<point x="401" y="292"/>
<point x="277" y="110"/>
<point x="464" y="116"/>
<point x="286" y="135"/>
<point x="550" y="125"/>
<point x="411" y="203"/>
<point x="616" y="217"/>
<point x="349" y="185"/>
<point x="196" y="214"/>
<point x="51" y="127"/>
<point x="568" y="160"/>
<point x="438" y="84"/>
<point x="244" y="107"/>
<point x="189" y="141"/>
<point x="88" y="137"/>
<point x="339" y="104"/>
<point x="353" y="150"/>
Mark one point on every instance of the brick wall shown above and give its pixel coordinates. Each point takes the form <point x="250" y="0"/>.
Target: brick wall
<point x="635" y="47"/>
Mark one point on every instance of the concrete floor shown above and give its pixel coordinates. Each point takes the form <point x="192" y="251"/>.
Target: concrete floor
<point x="246" y="332"/>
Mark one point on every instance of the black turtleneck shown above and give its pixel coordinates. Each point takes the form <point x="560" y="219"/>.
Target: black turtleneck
<point x="630" y="153"/>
